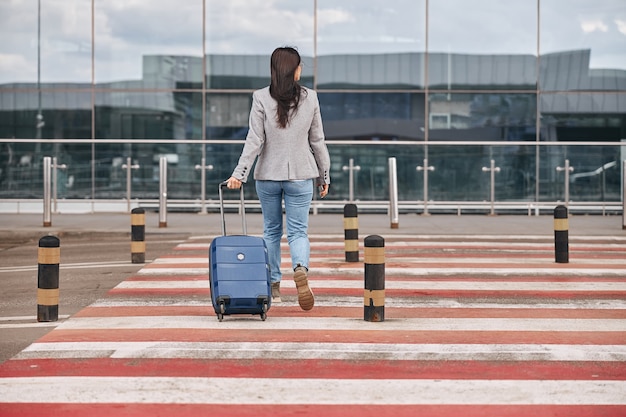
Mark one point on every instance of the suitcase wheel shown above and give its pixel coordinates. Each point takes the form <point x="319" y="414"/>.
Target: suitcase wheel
<point x="220" y="315"/>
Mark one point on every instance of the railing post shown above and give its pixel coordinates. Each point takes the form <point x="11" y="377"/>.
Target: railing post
<point x="47" y="163"/>
<point x="55" y="166"/>
<point x="128" y="166"/>
<point x="351" y="168"/>
<point x="624" y="195"/>
<point x="163" y="191"/>
<point x="203" y="167"/>
<point x="393" y="193"/>
<point x="492" y="169"/>
<point x="567" y="170"/>
<point x="425" y="168"/>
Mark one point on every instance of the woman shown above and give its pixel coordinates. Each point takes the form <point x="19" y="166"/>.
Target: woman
<point x="287" y="136"/>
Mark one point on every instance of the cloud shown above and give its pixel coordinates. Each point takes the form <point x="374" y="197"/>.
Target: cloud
<point x="589" y="26"/>
<point x="621" y="26"/>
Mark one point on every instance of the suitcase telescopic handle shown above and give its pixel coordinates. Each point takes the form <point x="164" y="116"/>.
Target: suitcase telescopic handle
<point x="242" y="209"/>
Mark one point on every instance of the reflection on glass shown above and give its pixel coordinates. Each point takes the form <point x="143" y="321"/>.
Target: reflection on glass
<point x="64" y="36"/>
<point x="370" y="44"/>
<point x="160" y="115"/>
<point x="373" y="116"/>
<point x="592" y="30"/>
<point x="583" y="116"/>
<point x="158" y="42"/>
<point x="370" y="27"/>
<point x="481" y="117"/>
<point x="490" y="45"/>
<point x="486" y="27"/>
<point x="257" y="28"/>
<point x="67" y="114"/>
<point x="594" y="176"/>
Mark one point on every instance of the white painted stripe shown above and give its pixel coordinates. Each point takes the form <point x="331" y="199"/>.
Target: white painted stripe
<point x="25" y="318"/>
<point x="28" y="322"/>
<point x="450" y="240"/>
<point x="173" y="271"/>
<point x="328" y="351"/>
<point x="513" y="262"/>
<point x="347" y="270"/>
<point x="29" y="325"/>
<point x="62" y="266"/>
<point x="417" y="285"/>
<point x="345" y="301"/>
<point x="161" y="390"/>
<point x="549" y="236"/>
<point x="334" y="323"/>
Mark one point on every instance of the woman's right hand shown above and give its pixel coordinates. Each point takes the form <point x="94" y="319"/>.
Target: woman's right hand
<point x="233" y="183"/>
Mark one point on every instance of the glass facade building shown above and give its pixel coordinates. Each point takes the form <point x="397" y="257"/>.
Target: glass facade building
<point x="449" y="88"/>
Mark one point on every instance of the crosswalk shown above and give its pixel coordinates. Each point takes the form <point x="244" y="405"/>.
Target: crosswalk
<point x="492" y="327"/>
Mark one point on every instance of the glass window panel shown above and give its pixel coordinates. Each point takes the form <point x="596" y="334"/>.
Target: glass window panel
<point x="240" y="37"/>
<point x="148" y="43"/>
<point x="583" y="116"/>
<point x="64" y="37"/>
<point x="160" y="115"/>
<point x="66" y="114"/>
<point x="595" y="174"/>
<point x="371" y="44"/>
<point x="227" y="115"/>
<point x="481" y="117"/>
<point x="373" y="116"/>
<point x="582" y="45"/>
<point x="485" y="44"/>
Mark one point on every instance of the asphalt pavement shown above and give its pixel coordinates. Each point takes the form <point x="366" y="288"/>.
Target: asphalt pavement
<point x="30" y="226"/>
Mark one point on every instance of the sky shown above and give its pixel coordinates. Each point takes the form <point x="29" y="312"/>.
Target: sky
<point x="125" y="30"/>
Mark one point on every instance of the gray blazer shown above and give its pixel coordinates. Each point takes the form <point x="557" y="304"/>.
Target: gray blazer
<point x="297" y="152"/>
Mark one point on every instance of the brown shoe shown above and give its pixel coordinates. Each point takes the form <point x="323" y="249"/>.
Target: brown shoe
<point x="276" y="292"/>
<point x="305" y="295"/>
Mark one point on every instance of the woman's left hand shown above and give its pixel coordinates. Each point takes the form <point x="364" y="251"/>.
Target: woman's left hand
<point x="324" y="190"/>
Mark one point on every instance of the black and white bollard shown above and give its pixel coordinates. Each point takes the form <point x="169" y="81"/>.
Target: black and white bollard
<point x="351" y="232"/>
<point x="138" y="236"/>
<point x="48" y="257"/>
<point x="374" y="297"/>
<point x="561" y="235"/>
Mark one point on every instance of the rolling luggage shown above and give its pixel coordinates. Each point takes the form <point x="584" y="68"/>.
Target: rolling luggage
<point x="239" y="273"/>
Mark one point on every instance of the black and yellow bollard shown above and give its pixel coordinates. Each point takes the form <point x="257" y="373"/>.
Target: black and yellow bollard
<point x="374" y="298"/>
<point x="351" y="232"/>
<point x="138" y="236"/>
<point x="561" y="235"/>
<point x="48" y="257"/>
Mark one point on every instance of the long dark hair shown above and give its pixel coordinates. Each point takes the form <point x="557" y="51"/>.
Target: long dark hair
<point x="283" y="87"/>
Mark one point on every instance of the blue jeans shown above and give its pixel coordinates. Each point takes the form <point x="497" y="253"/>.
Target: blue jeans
<point x="297" y="196"/>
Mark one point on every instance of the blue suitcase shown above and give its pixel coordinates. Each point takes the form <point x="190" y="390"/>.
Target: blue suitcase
<point x="239" y="273"/>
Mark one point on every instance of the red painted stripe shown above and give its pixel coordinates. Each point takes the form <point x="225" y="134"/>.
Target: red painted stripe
<point x="175" y="265"/>
<point x="168" y="278"/>
<point x="290" y="410"/>
<point x="619" y="295"/>
<point x="487" y="265"/>
<point x="333" y="336"/>
<point x="147" y="292"/>
<point x="465" y="277"/>
<point x="357" y="312"/>
<point x="315" y="368"/>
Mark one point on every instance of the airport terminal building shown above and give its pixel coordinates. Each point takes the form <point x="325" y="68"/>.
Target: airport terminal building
<point x="517" y="103"/>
